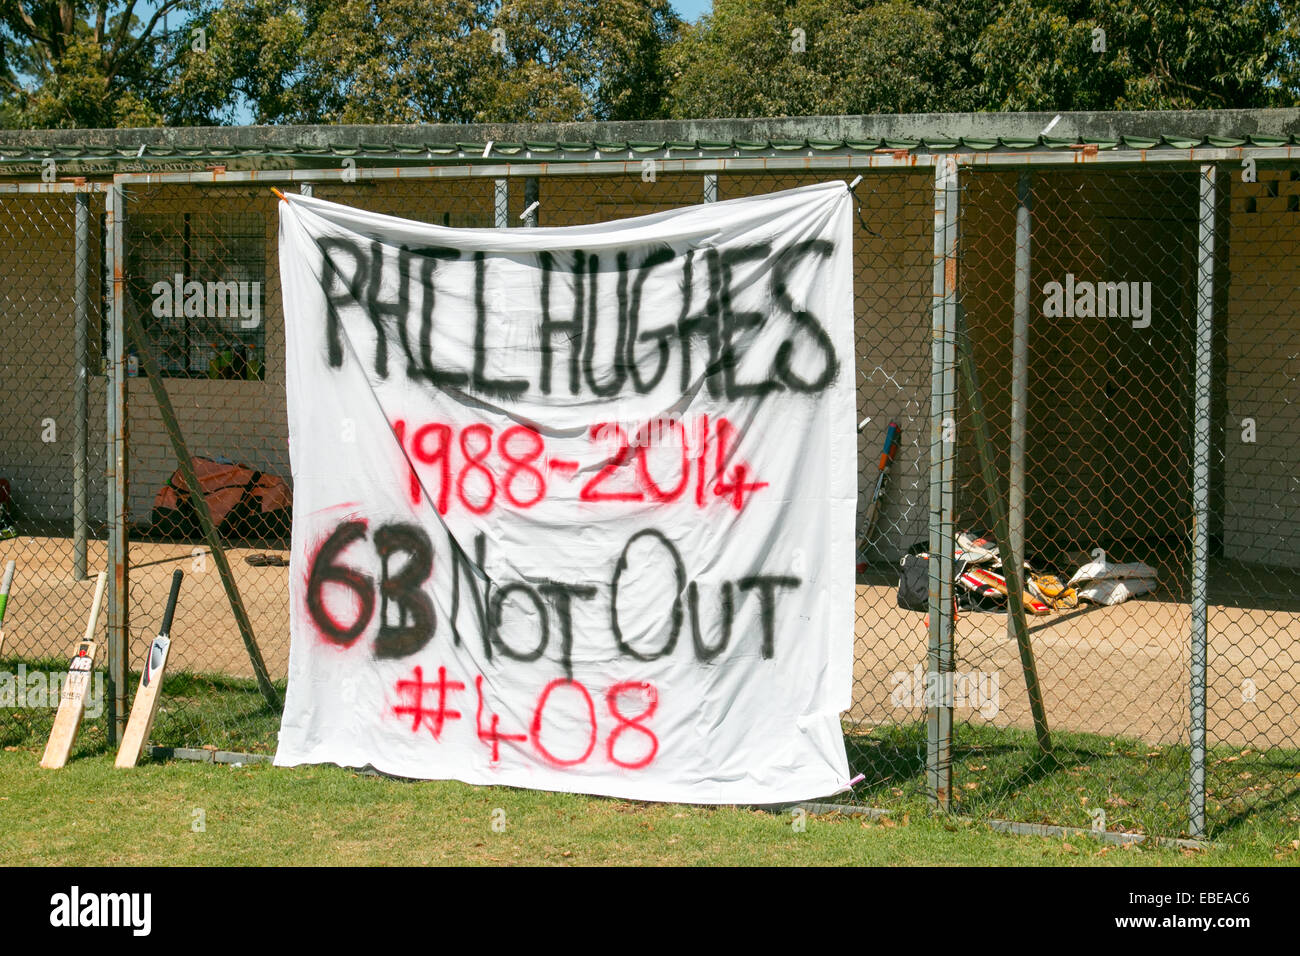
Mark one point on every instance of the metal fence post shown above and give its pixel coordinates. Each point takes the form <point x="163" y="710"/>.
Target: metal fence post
<point x="501" y="203"/>
<point x="115" y="362"/>
<point x="1201" y="497"/>
<point x="81" y="385"/>
<point x="1019" y="381"/>
<point x="943" y="447"/>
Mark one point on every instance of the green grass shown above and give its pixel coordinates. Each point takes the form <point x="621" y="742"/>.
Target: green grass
<point x="91" y="814"/>
<point x="1253" y="798"/>
<point x="195" y="709"/>
<point x="998" y="773"/>
<point x="227" y="711"/>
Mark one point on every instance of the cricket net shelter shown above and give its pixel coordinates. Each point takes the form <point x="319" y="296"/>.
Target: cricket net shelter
<point x="1087" y="339"/>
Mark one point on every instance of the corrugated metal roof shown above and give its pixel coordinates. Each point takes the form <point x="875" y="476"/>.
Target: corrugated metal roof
<point x="19" y="159"/>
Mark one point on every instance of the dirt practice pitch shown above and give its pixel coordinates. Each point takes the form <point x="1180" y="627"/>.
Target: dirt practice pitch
<point x="48" y="608"/>
<point x="1118" y="671"/>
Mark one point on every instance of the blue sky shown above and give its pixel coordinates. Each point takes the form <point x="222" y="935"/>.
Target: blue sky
<point x="692" y="9"/>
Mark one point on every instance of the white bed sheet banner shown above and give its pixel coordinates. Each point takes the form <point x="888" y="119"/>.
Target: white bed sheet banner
<point x="574" y="506"/>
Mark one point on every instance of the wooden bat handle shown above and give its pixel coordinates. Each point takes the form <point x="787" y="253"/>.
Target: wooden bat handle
<point x="91" y="624"/>
<point x="171" y="601"/>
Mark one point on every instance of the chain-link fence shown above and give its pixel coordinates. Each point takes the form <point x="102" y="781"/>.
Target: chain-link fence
<point x="1041" y="351"/>
<point x="52" y="460"/>
<point x="200" y="276"/>
<point x="1253" y="395"/>
<point x="1081" y="318"/>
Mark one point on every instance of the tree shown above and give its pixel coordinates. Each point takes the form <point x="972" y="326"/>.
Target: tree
<point x="106" y="63"/>
<point x="809" y="57"/>
<point x="961" y="25"/>
<point x="1157" y="54"/>
<point x="130" y="63"/>
<point x="603" y="59"/>
<point x="429" y="61"/>
<point x="250" y="59"/>
<point x="77" y="64"/>
<point x="861" y="56"/>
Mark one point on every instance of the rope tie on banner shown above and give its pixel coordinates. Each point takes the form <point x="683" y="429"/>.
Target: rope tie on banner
<point x="282" y="196"/>
<point x="853" y="188"/>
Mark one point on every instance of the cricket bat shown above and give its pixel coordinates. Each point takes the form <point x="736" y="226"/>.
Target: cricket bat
<point x="146" y="700"/>
<point x="72" y="703"/>
<point x="886" y="456"/>
<point x="5" y="585"/>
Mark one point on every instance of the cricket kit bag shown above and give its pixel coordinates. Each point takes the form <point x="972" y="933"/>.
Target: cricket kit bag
<point x="914" y="578"/>
<point x="914" y="581"/>
<point x="244" y="502"/>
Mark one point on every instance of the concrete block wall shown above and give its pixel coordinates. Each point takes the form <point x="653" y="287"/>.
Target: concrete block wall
<point x="1107" y="419"/>
<point x="38" y="357"/>
<point x="1261" y="521"/>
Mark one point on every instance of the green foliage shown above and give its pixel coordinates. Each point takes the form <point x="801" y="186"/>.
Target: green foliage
<point x="965" y="55"/>
<point x="416" y="61"/>
<point x="744" y="59"/>
<point x="250" y="55"/>
<point x="344" y="61"/>
<point x="1159" y="54"/>
<point x="575" y="60"/>
<point x="391" y="61"/>
<point x="74" y="63"/>
<point x="78" y="64"/>
<point x="80" y="93"/>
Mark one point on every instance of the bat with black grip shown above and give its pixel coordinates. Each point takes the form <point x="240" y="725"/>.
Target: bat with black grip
<point x="170" y="611"/>
<point x="146" y="700"/>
